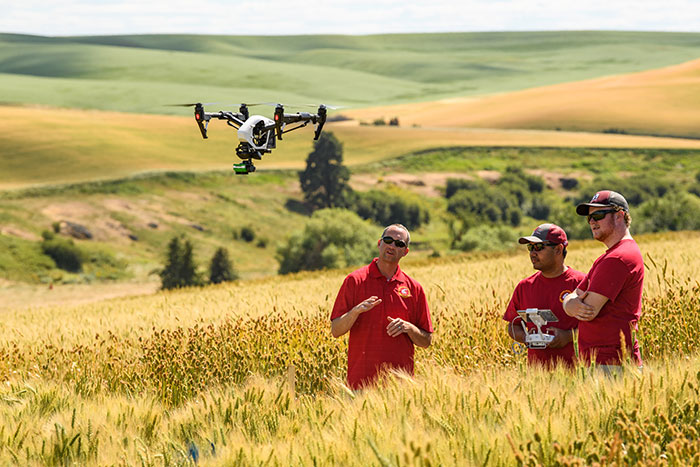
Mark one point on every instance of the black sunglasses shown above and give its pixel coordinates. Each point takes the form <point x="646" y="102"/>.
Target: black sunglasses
<point x="599" y="215"/>
<point x="389" y="240"/>
<point x="539" y="246"/>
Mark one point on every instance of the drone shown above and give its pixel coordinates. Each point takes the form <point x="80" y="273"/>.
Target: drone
<point x="257" y="135"/>
<point x="539" y="317"/>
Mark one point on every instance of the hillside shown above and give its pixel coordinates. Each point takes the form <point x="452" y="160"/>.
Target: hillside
<point x="665" y="102"/>
<point x="140" y="73"/>
<point x="40" y="146"/>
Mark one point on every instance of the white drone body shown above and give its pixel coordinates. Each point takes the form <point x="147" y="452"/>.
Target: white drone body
<point x="255" y="131"/>
<point x="538" y="317"/>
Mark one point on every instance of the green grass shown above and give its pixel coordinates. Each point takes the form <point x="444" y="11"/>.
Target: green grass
<point x="679" y="164"/>
<point x="268" y="201"/>
<point x="140" y="73"/>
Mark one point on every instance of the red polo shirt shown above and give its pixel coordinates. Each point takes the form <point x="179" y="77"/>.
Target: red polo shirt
<point x="370" y="348"/>
<point x="618" y="275"/>
<point x="538" y="291"/>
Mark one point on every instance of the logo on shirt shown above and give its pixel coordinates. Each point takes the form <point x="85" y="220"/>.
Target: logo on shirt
<point x="403" y="291"/>
<point x="563" y="295"/>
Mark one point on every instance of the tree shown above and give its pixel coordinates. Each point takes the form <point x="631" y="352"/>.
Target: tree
<point x="221" y="268"/>
<point x="325" y="180"/>
<point x="180" y="269"/>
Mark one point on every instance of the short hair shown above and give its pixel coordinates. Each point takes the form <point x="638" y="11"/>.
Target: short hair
<point x="401" y="226"/>
<point x="627" y="217"/>
<point x="563" y="253"/>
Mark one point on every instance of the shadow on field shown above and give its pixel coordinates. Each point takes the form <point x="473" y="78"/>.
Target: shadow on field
<point x="299" y="207"/>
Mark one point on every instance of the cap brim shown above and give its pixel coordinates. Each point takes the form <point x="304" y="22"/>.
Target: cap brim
<point x="530" y="239"/>
<point x="582" y="209"/>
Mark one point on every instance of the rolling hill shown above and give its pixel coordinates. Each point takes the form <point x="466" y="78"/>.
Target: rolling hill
<point x="52" y="146"/>
<point x="140" y="73"/>
<point x="665" y="102"/>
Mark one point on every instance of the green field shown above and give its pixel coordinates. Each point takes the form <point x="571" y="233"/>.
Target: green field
<point x="141" y="73"/>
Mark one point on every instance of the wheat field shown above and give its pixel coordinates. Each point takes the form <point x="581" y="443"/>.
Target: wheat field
<point x="248" y="374"/>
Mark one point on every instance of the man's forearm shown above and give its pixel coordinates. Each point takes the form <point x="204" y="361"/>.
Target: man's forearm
<point x="344" y="323"/>
<point x="419" y="337"/>
<point x="516" y="332"/>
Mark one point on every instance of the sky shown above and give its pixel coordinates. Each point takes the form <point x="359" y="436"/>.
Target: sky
<point x="358" y="17"/>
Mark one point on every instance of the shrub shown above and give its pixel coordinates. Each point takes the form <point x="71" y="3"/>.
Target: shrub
<point x="332" y="238"/>
<point x="675" y="211"/>
<point x="636" y="189"/>
<point x="247" y="234"/>
<point x="456" y="184"/>
<point x="387" y="208"/>
<point x="65" y="253"/>
<point x="490" y="206"/>
<point x="487" y="237"/>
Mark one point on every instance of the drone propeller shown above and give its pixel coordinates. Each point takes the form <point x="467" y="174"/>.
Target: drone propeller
<point x="192" y="105"/>
<point x="332" y="107"/>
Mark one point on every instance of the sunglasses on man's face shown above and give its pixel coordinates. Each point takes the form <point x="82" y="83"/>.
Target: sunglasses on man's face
<point x="389" y="240"/>
<point x="539" y="246"/>
<point x="599" y="215"/>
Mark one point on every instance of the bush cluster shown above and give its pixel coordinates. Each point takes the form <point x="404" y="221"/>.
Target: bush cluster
<point x="64" y="252"/>
<point x="385" y="208"/>
<point x="333" y="238"/>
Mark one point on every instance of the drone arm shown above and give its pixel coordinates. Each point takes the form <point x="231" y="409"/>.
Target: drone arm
<point x="321" y="121"/>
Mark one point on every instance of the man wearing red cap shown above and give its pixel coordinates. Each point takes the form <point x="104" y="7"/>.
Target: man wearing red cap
<point x="608" y="302"/>
<point x="384" y="310"/>
<point x="546" y="289"/>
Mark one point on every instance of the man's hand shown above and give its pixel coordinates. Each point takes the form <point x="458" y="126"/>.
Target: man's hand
<point x="397" y="326"/>
<point x="561" y="337"/>
<point x="367" y="304"/>
<point x="418" y="336"/>
<point x="342" y="324"/>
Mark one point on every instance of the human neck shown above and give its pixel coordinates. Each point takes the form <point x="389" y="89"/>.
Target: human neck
<point x="388" y="269"/>
<point x="555" y="271"/>
<point x="617" y="237"/>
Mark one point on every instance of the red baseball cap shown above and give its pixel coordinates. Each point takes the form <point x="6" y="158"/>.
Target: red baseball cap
<point x="603" y="199"/>
<point x="546" y="233"/>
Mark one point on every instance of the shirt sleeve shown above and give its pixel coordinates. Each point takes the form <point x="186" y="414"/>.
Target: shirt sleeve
<point x="423" y="319"/>
<point x="344" y="300"/>
<point x="609" y="278"/>
<point x="511" y="310"/>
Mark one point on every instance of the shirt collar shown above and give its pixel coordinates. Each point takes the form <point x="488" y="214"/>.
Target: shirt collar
<point x="376" y="273"/>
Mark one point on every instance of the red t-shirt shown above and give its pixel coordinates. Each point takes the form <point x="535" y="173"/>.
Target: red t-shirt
<point x="370" y="348"/>
<point x="538" y="291"/>
<point x="618" y="275"/>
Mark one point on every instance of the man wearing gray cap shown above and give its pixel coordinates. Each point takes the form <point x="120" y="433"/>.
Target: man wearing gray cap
<point x="546" y="289"/>
<point x="608" y="302"/>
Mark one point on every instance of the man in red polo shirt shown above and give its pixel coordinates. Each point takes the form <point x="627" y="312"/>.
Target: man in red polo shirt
<point x="608" y="302"/>
<point x="385" y="311"/>
<point x="546" y="289"/>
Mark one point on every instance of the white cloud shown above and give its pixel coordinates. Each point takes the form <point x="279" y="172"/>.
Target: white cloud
<point x="81" y="17"/>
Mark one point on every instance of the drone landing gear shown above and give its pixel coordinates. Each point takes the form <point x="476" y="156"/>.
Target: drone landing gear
<point x="244" y="168"/>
